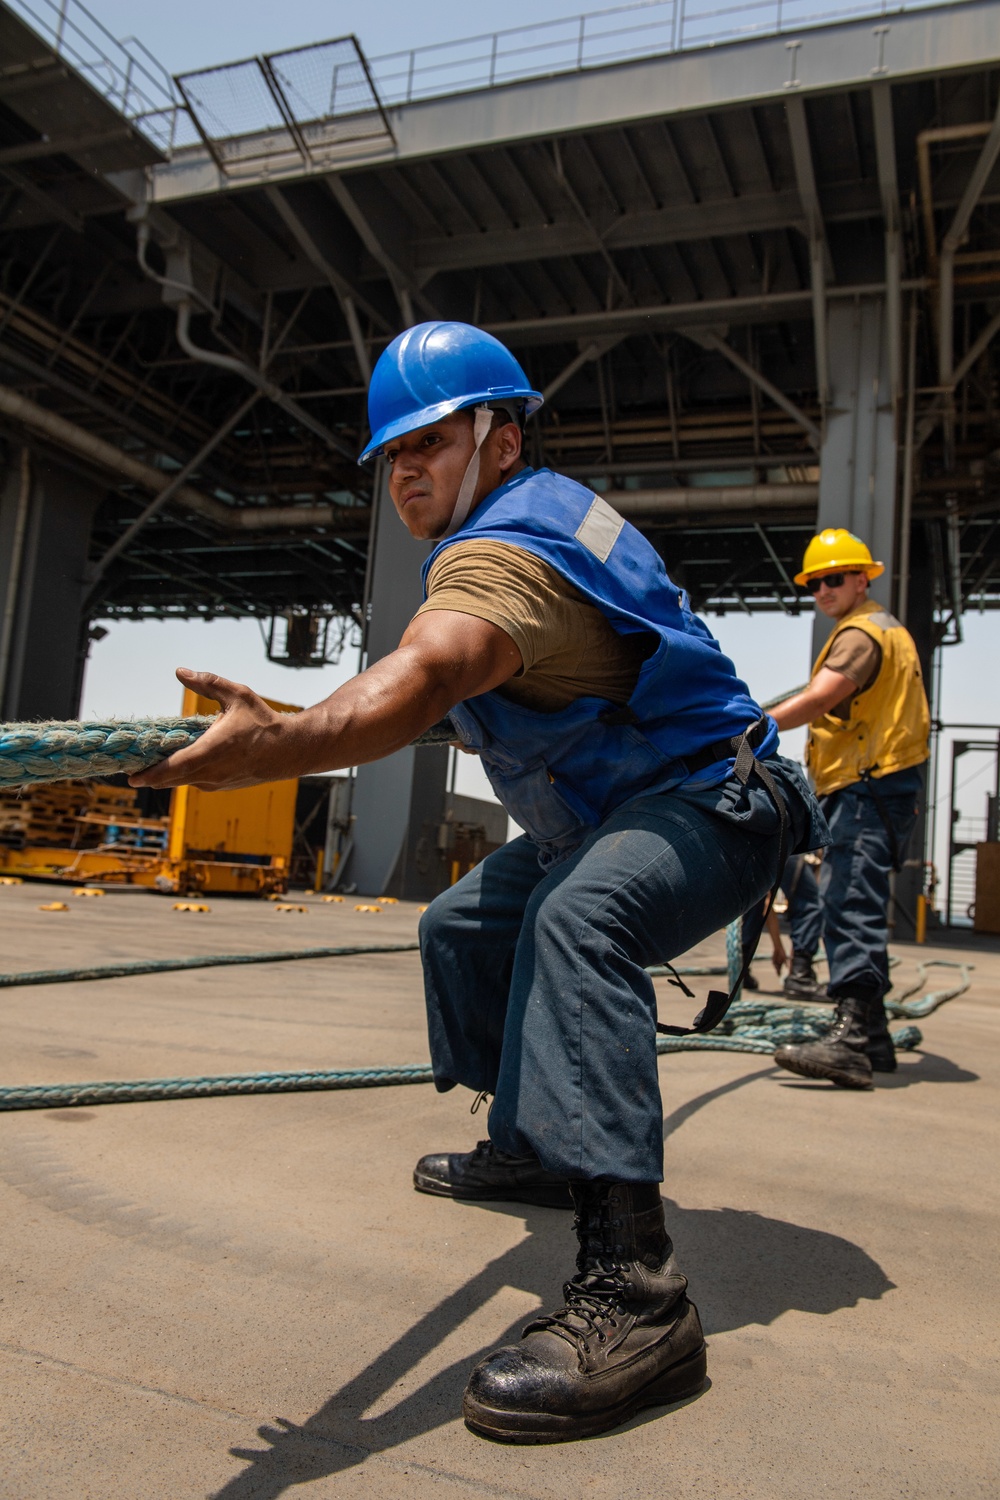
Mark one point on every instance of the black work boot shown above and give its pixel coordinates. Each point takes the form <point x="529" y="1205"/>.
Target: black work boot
<point x="842" y="1054"/>
<point x="880" y="1049"/>
<point x="490" y="1175"/>
<point x="627" y="1337"/>
<point x="801" y="982"/>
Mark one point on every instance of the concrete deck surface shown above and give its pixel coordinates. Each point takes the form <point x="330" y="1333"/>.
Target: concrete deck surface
<point x="244" y="1298"/>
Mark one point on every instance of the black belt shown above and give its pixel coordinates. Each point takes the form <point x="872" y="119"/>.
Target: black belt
<point x="728" y="749"/>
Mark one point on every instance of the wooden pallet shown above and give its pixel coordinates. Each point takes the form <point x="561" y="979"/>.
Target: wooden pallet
<point x="49" y="815"/>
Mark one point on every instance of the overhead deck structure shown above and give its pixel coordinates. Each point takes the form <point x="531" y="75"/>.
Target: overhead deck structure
<point x="752" y="258"/>
<point x="670" y="242"/>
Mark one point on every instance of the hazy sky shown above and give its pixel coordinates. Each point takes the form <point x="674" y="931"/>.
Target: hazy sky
<point x="191" y="34"/>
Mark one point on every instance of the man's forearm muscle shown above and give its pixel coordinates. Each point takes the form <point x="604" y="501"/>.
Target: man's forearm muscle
<point x="443" y="658"/>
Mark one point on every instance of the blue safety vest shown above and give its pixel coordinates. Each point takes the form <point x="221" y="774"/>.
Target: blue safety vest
<point x="559" y="775"/>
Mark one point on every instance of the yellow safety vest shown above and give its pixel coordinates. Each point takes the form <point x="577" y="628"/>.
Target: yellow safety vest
<point x="889" y="725"/>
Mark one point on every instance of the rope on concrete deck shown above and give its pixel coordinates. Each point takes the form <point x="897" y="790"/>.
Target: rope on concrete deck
<point x="53" y="750"/>
<point x="750" y="1026"/>
<point x="128" y="968"/>
<point x="60" y="1096"/>
<point x="902" y="1005"/>
<point x="131" y="967"/>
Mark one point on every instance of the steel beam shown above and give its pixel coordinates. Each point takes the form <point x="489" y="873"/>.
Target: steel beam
<point x="257" y="378"/>
<point x="586" y="356"/>
<point x="949" y="247"/>
<point x="762" y="307"/>
<point x="710" y="499"/>
<point x="885" y="154"/>
<point x="309" y="247"/>
<point x="926" y="43"/>
<point x="52" y="205"/>
<point x="97" y="570"/>
<point x="979" y="347"/>
<point x="820" y="268"/>
<point x="757" y="213"/>
<point x="43" y="656"/>
<point x="65" y="145"/>
<point x="711" y="340"/>
<point x="394" y="797"/>
<point x="858" y="458"/>
<point x="403" y="285"/>
<point x="357" y="339"/>
<point x="104" y="456"/>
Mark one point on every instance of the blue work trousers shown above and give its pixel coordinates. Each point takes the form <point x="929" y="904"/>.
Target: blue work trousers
<point x="536" y="985"/>
<point x="854" y="886"/>
<point x="805" y="913"/>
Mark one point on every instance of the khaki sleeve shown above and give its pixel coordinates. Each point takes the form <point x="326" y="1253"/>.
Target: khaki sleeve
<point x="507" y="586"/>
<point x="856" y="655"/>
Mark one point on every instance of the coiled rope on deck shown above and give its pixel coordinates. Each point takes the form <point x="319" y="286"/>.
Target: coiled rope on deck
<point x="56" y="750"/>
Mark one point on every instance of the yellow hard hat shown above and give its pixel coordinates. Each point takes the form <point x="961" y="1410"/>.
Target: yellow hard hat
<point x="836" y="548"/>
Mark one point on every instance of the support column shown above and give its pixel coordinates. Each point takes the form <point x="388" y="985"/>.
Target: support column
<point x="909" y="883"/>
<point x="399" y="802"/>
<point x="46" y="513"/>
<point x="857" y="485"/>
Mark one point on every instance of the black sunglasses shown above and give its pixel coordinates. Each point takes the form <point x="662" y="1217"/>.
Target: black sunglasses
<point x="832" y="580"/>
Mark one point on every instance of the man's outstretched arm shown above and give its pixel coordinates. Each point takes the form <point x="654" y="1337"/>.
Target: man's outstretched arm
<point x="827" y="689"/>
<point x="443" y="658"/>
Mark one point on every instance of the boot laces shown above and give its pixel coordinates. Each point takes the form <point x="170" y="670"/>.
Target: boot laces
<point x="594" y="1302"/>
<point x="485" y="1152"/>
<point x="598" y="1295"/>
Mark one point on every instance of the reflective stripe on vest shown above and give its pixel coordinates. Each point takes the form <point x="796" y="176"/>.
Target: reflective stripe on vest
<point x="889" y="724"/>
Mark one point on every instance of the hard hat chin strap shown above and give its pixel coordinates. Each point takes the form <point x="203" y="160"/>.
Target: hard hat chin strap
<point x="467" y="489"/>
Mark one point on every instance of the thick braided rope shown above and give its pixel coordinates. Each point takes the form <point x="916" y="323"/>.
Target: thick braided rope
<point x="71" y="751"/>
<point x="52" y="751"/>
<point x="734" y="952"/>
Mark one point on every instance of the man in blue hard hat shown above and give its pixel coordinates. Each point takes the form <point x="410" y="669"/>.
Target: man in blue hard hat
<point x="654" y="812"/>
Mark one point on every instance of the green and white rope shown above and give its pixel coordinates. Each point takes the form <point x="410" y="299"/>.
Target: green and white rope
<point x="53" y="750"/>
<point x="128" y="968"/>
<point x="140" y="1090"/>
<point x="751" y="1026"/>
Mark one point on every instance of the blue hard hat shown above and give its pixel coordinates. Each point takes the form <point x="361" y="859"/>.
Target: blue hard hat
<point x="434" y="369"/>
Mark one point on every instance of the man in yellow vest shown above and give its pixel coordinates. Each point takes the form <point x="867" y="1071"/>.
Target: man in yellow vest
<point x="868" y="740"/>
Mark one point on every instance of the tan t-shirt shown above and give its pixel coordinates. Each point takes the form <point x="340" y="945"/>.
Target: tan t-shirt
<point x="857" y="656"/>
<point x="568" y="648"/>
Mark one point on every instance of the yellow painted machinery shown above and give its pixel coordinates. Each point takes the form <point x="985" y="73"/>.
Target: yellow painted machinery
<point x="212" y="842"/>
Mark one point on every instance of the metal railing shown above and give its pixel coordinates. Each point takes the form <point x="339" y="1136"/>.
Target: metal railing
<point x="131" y="79"/>
<point x="622" y="33"/>
<point x="123" y="71"/>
